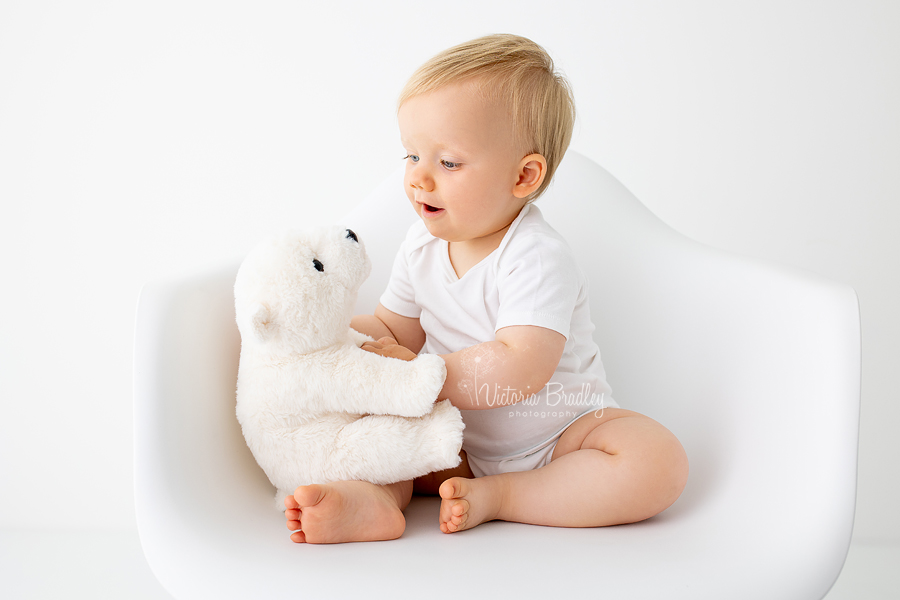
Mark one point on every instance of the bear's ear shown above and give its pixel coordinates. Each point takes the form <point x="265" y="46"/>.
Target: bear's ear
<point x="261" y="323"/>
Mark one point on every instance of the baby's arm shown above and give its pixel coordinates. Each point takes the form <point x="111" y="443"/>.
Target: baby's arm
<point x="518" y="363"/>
<point x="385" y="323"/>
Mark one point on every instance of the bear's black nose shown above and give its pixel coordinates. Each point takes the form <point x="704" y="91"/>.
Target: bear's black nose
<point x="352" y="236"/>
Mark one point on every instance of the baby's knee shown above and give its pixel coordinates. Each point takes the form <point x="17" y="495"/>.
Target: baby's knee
<point x="670" y="468"/>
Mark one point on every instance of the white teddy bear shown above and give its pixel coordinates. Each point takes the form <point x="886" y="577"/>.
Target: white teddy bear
<point x="314" y="407"/>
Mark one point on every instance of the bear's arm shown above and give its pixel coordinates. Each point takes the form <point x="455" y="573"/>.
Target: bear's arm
<point x="355" y="381"/>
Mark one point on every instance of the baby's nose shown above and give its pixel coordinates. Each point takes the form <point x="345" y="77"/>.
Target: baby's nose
<point x="422" y="183"/>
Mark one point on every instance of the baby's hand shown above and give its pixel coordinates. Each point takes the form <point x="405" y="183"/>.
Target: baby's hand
<point x="388" y="346"/>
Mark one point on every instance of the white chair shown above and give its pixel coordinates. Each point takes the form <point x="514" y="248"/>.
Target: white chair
<point x="755" y="367"/>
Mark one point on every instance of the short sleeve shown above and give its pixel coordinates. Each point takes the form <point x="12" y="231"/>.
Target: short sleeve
<point x="539" y="284"/>
<point x="400" y="297"/>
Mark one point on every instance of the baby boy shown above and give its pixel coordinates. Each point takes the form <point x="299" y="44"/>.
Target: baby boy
<point x="482" y="280"/>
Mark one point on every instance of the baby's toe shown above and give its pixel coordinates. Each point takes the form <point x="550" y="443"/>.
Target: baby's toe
<point x="459" y="519"/>
<point x="453" y="515"/>
<point x="450" y="489"/>
<point x="456" y="523"/>
<point x="309" y="495"/>
<point x="298" y="537"/>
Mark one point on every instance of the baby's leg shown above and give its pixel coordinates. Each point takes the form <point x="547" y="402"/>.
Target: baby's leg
<point x="619" y="468"/>
<point x="347" y="511"/>
<point x="430" y="484"/>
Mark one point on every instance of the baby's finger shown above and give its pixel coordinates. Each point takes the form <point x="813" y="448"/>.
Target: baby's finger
<point x="379" y="350"/>
<point x="398" y="351"/>
<point x="372" y="347"/>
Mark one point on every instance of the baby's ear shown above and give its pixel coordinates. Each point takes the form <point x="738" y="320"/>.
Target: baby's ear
<point x="262" y="324"/>
<point x="532" y="170"/>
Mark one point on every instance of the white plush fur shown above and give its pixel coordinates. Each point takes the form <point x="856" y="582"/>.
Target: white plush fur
<point x="313" y="406"/>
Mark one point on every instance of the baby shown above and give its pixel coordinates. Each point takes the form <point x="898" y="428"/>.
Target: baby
<point x="484" y="282"/>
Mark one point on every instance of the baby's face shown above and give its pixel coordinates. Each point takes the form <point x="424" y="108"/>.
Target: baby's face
<point x="463" y="163"/>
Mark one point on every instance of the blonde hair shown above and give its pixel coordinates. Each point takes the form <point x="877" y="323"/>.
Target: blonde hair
<point x="518" y="72"/>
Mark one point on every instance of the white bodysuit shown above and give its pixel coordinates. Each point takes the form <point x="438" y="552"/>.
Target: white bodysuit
<point x="530" y="279"/>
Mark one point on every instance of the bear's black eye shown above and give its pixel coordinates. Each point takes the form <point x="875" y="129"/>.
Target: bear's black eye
<point x="351" y="236"/>
<point x="318" y="265"/>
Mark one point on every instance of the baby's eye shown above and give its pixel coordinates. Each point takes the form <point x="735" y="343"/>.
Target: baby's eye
<point x="449" y="164"/>
<point x="412" y="157"/>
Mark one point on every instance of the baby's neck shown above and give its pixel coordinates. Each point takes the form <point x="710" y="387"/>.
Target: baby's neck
<point x="467" y="254"/>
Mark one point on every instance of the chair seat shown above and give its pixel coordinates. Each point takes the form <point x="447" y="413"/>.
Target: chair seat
<point x="754" y="366"/>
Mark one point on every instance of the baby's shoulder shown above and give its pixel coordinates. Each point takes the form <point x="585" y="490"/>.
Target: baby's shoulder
<point x="534" y="236"/>
<point x="538" y="256"/>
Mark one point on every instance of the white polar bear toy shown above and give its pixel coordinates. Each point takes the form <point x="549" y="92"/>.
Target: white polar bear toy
<point x="314" y="407"/>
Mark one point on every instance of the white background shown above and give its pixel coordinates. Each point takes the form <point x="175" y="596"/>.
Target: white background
<point x="138" y="140"/>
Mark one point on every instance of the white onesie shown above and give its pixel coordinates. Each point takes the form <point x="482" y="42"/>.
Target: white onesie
<point x="530" y="279"/>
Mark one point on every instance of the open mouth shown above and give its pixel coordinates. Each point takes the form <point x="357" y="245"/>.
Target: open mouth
<point x="427" y="209"/>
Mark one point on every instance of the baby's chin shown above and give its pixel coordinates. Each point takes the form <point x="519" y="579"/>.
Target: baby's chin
<point x="437" y="231"/>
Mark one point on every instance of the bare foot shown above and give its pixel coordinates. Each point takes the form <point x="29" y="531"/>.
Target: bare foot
<point x="344" y="511"/>
<point x="466" y="503"/>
